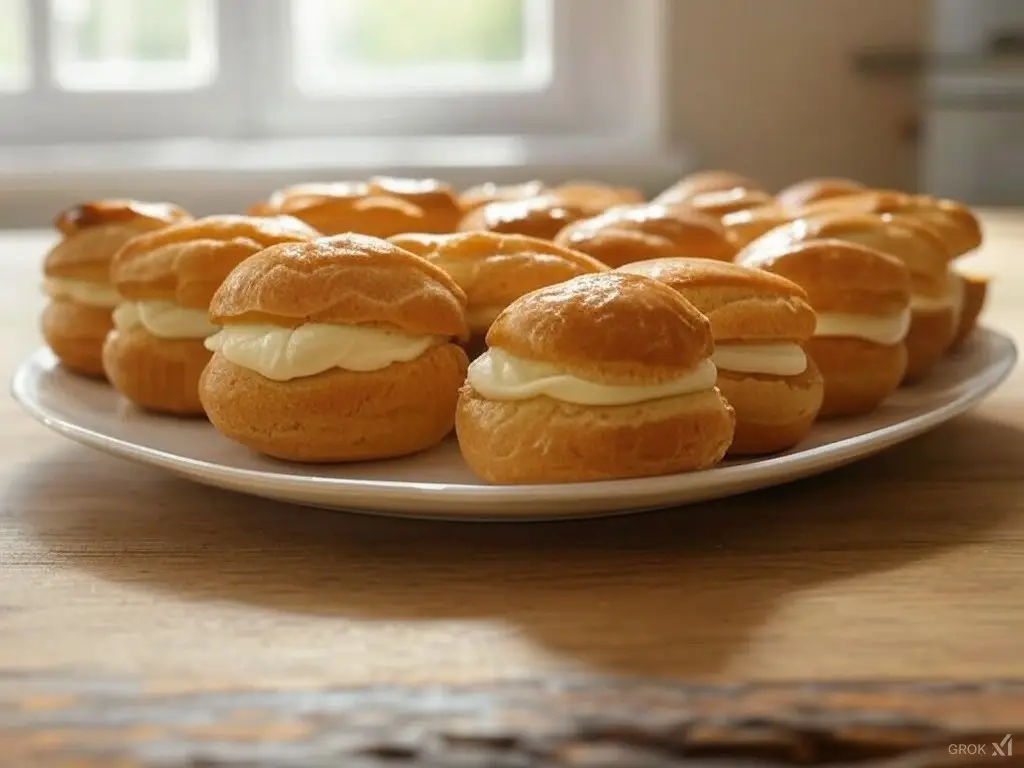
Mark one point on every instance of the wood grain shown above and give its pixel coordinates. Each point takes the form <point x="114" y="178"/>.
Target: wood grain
<point x="905" y="566"/>
<point x="591" y="724"/>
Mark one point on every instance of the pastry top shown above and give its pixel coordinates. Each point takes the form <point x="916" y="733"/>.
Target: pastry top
<point x="749" y="224"/>
<point x="542" y="217"/>
<point x="701" y="182"/>
<point x="381" y="207"/>
<point x="916" y="245"/>
<point x="594" y="197"/>
<point x="610" y="327"/>
<point x="474" y="197"/>
<point x="638" y="233"/>
<point x="726" y="201"/>
<point x="839" y="276"/>
<point x="374" y="215"/>
<point x="345" y="280"/>
<point x="493" y="269"/>
<point x="437" y="200"/>
<point x="953" y="222"/>
<point x="742" y="303"/>
<point x="186" y="262"/>
<point x="93" y="232"/>
<point x="809" y="191"/>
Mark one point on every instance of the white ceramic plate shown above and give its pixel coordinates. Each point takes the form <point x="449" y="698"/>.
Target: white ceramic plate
<point x="438" y="484"/>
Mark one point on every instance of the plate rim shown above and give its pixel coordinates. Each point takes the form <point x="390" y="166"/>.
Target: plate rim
<point x="750" y="475"/>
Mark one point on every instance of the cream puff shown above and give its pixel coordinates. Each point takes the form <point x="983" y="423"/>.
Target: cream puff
<point x="595" y="198"/>
<point x="974" y="292"/>
<point x="862" y="298"/>
<point x="638" y="233"/>
<point x="76" y="272"/>
<point x="436" y="199"/>
<point x="380" y="207"/>
<point x="345" y="207"/>
<point x="494" y="270"/>
<point x="482" y="194"/>
<point x="336" y="350"/>
<point x="724" y="202"/>
<point x="747" y="225"/>
<point x="797" y="196"/>
<point x="702" y="182"/>
<point x="760" y="323"/>
<point x="602" y="377"/>
<point x="165" y="281"/>
<point x="935" y="300"/>
<point x="542" y="217"/>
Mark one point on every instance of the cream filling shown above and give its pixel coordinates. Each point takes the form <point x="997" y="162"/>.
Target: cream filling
<point x="283" y="354"/>
<point x="880" y="329"/>
<point x="769" y="359"/>
<point x="497" y="375"/>
<point x="82" y="292"/>
<point x="164" y="319"/>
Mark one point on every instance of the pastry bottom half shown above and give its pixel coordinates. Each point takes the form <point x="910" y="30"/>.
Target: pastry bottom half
<point x="75" y="333"/>
<point x="931" y="334"/>
<point x="773" y="413"/>
<point x="542" y="440"/>
<point x="975" y="295"/>
<point x="859" y="375"/>
<point x="160" y="375"/>
<point x="339" y="415"/>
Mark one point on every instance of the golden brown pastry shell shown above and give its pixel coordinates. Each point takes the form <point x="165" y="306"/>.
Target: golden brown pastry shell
<point x="159" y="375"/>
<point x="742" y="303"/>
<point x="815" y="190"/>
<point x="975" y="293"/>
<point x="859" y="375"/>
<point x="347" y="279"/>
<point x="187" y="262"/>
<point x="546" y="441"/>
<point x="93" y="232"/>
<point x="773" y="413"/>
<point x="75" y="333"/>
<point x="641" y="233"/>
<point x="542" y="217"/>
<point x="338" y="416"/>
<point x="837" y="276"/>
<point x="494" y="270"/>
<point x="610" y="328"/>
<point x="930" y="337"/>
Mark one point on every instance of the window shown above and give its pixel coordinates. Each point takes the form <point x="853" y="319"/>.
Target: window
<point x="103" y="70"/>
<point x="13" y="51"/>
<point x="140" y="45"/>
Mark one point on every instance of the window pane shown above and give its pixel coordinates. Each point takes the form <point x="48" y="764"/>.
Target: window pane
<point x="351" y="45"/>
<point x="102" y="45"/>
<point x="13" y="58"/>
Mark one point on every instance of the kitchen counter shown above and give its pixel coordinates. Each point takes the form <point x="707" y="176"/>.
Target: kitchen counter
<point x="145" y="618"/>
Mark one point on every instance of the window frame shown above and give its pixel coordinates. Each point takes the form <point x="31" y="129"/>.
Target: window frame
<point x="606" y="81"/>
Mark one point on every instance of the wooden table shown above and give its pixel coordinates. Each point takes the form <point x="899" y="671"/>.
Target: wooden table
<point x="144" y="620"/>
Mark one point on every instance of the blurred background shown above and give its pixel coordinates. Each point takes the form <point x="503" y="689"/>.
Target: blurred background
<point x="213" y="103"/>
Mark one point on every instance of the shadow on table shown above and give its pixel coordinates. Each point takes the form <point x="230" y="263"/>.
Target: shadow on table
<point x="676" y="592"/>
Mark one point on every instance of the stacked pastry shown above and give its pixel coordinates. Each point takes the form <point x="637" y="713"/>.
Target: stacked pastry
<point x="568" y="391"/>
<point x="636" y="233"/>
<point x="610" y="337"/>
<point x="760" y="323"/>
<point x="76" y="272"/>
<point x="934" y="301"/>
<point x="494" y="270"/>
<point x="336" y="350"/>
<point x="381" y="207"/>
<point x="165" y="281"/>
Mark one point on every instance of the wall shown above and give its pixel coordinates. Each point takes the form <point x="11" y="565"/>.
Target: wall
<point x="766" y="87"/>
